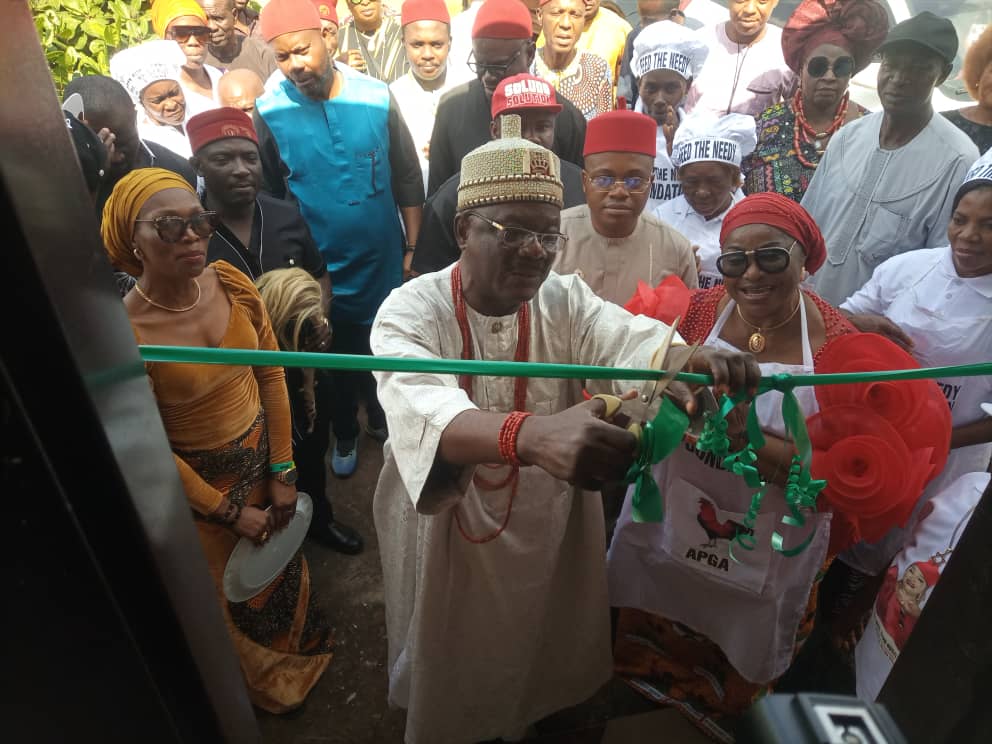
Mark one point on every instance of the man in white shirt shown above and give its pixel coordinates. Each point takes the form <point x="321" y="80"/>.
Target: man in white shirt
<point x="461" y="44"/>
<point x="747" y="72"/>
<point x="886" y="183"/>
<point x="667" y="60"/>
<point x="496" y="607"/>
<point x="427" y="40"/>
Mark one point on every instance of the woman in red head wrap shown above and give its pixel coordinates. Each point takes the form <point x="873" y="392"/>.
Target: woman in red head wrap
<point x="698" y="623"/>
<point x="825" y="43"/>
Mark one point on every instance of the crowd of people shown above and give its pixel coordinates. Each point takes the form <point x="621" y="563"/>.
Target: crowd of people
<point x="514" y="180"/>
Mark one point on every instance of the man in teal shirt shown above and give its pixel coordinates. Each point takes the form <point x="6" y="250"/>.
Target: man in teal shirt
<point x="334" y="141"/>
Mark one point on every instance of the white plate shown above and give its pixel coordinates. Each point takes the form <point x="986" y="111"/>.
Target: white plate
<point x="252" y="567"/>
<point x="987" y="407"/>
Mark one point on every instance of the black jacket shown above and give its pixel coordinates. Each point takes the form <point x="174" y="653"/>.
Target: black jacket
<point x="462" y="124"/>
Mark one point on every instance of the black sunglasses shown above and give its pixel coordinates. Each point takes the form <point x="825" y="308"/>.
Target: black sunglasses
<point x="172" y="228"/>
<point x="182" y="33"/>
<point x="771" y="260"/>
<point x="498" y="70"/>
<point x="817" y="67"/>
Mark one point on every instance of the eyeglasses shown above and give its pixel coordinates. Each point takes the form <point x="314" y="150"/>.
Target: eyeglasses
<point x="362" y="2"/>
<point x="632" y="184"/>
<point x="497" y="70"/>
<point x="771" y="260"/>
<point x="172" y="228"/>
<point x="516" y="238"/>
<point x="182" y="33"/>
<point x="817" y="67"/>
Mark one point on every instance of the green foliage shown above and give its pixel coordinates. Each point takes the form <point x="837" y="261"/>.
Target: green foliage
<point x="79" y="36"/>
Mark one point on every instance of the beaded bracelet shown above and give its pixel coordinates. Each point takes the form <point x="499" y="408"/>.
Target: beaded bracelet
<point x="508" y="434"/>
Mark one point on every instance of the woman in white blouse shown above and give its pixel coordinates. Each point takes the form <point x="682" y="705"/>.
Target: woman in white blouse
<point x="938" y="303"/>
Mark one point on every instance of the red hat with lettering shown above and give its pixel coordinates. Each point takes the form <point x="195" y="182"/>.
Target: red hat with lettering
<point x="621" y="131"/>
<point x="502" y="19"/>
<point x="326" y="10"/>
<point x="523" y="91"/>
<point x="424" y="10"/>
<point x="219" y="123"/>
<point x="280" y="17"/>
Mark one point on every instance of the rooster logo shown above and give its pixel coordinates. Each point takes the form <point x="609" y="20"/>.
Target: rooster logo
<point x="715" y="529"/>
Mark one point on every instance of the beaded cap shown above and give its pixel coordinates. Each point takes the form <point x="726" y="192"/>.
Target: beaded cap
<point x="509" y="169"/>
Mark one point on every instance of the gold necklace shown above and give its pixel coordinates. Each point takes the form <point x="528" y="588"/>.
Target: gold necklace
<point x="150" y="301"/>
<point x="756" y="341"/>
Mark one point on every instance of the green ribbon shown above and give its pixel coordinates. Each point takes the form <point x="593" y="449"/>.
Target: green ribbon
<point x="356" y="363"/>
<point x="659" y="438"/>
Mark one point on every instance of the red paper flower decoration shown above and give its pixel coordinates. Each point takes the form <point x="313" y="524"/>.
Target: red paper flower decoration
<point x="874" y="477"/>
<point x="916" y="408"/>
<point x="666" y="302"/>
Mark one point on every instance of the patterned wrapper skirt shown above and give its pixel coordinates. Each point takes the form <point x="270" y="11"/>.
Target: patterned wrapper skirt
<point x="672" y="665"/>
<point x="283" y="642"/>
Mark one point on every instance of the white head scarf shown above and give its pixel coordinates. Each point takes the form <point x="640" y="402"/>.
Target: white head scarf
<point x="138" y="67"/>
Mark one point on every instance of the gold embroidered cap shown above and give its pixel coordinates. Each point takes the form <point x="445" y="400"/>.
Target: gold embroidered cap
<point x="509" y="169"/>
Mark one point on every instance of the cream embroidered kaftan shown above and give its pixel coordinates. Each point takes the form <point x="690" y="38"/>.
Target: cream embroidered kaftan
<point x="486" y="639"/>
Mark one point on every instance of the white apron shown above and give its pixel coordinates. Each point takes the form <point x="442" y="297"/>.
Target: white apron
<point x="942" y="337"/>
<point x="681" y="569"/>
<point x="899" y="602"/>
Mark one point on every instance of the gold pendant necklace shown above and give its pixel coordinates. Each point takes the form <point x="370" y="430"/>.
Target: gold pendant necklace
<point x="150" y="301"/>
<point x="757" y="341"/>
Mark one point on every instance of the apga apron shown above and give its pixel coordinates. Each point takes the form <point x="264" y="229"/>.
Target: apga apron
<point x="942" y="337"/>
<point x="682" y="568"/>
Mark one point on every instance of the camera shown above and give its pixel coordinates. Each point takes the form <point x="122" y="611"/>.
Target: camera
<point x="810" y="718"/>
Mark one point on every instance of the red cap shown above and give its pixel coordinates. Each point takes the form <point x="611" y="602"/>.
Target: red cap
<point x="424" y="10"/>
<point x="326" y="10"/>
<point x="280" y="17"/>
<point x="621" y="131"/>
<point x="769" y="208"/>
<point x="219" y="123"/>
<point x="502" y="19"/>
<point x="930" y="571"/>
<point x="523" y="91"/>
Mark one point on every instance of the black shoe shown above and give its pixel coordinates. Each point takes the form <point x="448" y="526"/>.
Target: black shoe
<point x="338" y="537"/>
<point x="377" y="430"/>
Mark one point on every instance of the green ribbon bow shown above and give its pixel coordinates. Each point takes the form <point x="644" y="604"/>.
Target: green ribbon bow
<point x="659" y="438"/>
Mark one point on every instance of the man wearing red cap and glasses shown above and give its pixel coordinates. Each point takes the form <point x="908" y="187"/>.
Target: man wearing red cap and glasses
<point x="612" y="244"/>
<point x="534" y="101"/>
<point x="501" y="47"/>
<point x="337" y="143"/>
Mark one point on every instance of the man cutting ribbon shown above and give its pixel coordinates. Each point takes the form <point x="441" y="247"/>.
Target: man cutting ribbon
<point x="491" y="537"/>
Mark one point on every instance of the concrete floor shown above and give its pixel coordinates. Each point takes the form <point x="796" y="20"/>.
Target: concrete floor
<point x="348" y="706"/>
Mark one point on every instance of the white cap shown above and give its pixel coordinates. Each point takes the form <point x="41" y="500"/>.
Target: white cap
<point x="139" y="66"/>
<point x="665" y="45"/>
<point x="705" y="137"/>
<point x="981" y="170"/>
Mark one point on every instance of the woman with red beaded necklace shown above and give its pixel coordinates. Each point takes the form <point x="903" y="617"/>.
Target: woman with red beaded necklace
<point x="825" y="42"/>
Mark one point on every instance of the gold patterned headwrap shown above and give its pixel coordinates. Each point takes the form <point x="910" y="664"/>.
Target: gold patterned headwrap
<point x="123" y="206"/>
<point x="509" y="169"/>
<point x="165" y="12"/>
